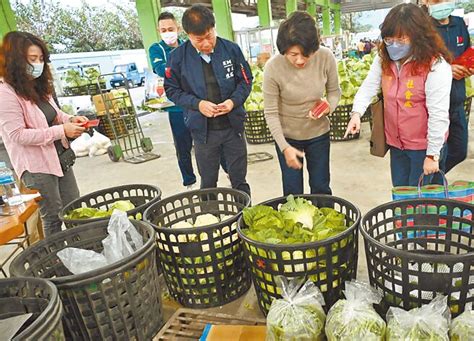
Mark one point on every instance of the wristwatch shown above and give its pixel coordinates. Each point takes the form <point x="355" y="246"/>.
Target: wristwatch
<point x="433" y="157"/>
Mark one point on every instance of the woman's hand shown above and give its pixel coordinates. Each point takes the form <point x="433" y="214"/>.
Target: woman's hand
<point x="79" y="119"/>
<point x="292" y="157"/>
<point x="430" y="166"/>
<point x="353" y="127"/>
<point x="73" y="130"/>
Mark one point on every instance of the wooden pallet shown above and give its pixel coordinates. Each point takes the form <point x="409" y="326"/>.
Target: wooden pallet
<point x="188" y="324"/>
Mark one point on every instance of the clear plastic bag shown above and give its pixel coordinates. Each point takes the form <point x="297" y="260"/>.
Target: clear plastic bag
<point x="299" y="315"/>
<point x="355" y="318"/>
<point x="429" y="322"/>
<point x="122" y="241"/>
<point x="462" y="327"/>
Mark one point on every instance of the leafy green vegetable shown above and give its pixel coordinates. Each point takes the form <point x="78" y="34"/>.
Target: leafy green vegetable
<point x="429" y="322"/>
<point x="89" y="212"/>
<point x="298" y="221"/>
<point x="298" y="315"/>
<point x="355" y="318"/>
<point x="462" y="327"/>
<point x="255" y="100"/>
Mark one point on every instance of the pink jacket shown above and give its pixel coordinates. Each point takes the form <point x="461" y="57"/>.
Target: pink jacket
<point x="405" y="112"/>
<point x="27" y="136"/>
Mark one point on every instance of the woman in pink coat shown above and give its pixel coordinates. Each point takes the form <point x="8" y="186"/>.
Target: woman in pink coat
<point x="35" y="131"/>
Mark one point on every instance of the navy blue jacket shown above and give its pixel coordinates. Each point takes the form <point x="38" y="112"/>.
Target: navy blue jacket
<point x="185" y="84"/>
<point x="159" y="54"/>
<point x="457" y="40"/>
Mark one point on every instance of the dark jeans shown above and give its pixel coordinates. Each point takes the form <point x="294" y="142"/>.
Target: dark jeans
<point x="208" y="156"/>
<point x="406" y="166"/>
<point x="317" y="157"/>
<point x="183" y="143"/>
<point x="56" y="192"/>
<point x="457" y="139"/>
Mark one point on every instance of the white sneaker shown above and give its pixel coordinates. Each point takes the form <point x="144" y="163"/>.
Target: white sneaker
<point x="191" y="187"/>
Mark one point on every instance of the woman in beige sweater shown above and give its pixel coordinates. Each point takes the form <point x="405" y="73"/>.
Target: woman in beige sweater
<point x="302" y="75"/>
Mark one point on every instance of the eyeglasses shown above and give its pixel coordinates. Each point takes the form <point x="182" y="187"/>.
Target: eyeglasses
<point x="391" y="41"/>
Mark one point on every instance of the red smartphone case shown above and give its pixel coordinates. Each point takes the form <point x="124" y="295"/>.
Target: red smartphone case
<point x="466" y="59"/>
<point x="319" y="108"/>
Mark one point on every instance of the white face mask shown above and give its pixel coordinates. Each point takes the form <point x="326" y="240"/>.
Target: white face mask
<point x="36" y="69"/>
<point x="170" y="38"/>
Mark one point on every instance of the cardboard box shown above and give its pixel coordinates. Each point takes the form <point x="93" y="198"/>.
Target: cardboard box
<point x="100" y="105"/>
<point x="235" y="333"/>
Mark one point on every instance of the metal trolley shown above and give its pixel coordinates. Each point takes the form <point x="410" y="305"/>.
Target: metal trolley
<point x="121" y="119"/>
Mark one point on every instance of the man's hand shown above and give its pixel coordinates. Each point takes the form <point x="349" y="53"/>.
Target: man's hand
<point x="73" y="130"/>
<point x="353" y="127"/>
<point x="208" y="109"/>
<point x="459" y="71"/>
<point x="430" y="166"/>
<point x="78" y="119"/>
<point x="225" y="107"/>
<point x="292" y="157"/>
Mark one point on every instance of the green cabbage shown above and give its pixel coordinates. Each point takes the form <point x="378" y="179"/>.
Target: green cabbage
<point x="92" y="213"/>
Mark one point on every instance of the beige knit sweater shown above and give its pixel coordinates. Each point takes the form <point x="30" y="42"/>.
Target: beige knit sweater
<point x="289" y="94"/>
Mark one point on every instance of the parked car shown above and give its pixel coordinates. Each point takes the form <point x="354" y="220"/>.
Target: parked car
<point x="130" y="71"/>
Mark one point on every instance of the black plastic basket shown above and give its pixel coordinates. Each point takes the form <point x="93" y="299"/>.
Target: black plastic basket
<point x="418" y="248"/>
<point x="328" y="263"/>
<point x="36" y="296"/>
<point x="467" y="108"/>
<point x="142" y="196"/>
<point x="339" y="120"/>
<point x="256" y="128"/>
<point x="203" y="266"/>
<point x="121" y="301"/>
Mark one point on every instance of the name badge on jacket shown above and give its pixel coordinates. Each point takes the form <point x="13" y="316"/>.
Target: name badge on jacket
<point x="229" y="68"/>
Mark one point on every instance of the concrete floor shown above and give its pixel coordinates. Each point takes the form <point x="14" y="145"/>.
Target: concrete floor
<point x="355" y="176"/>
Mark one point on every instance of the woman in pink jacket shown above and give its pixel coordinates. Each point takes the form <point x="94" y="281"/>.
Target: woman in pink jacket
<point x="35" y="131"/>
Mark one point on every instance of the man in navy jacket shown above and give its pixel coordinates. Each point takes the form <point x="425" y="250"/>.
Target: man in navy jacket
<point x="454" y="32"/>
<point x="209" y="78"/>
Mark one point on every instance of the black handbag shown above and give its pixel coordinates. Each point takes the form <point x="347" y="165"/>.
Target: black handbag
<point x="67" y="159"/>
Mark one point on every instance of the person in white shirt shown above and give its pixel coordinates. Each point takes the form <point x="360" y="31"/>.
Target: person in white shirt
<point x="413" y="75"/>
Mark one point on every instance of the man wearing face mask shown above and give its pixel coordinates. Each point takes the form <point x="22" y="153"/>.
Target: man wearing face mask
<point x="159" y="55"/>
<point x="209" y="78"/>
<point x="456" y="37"/>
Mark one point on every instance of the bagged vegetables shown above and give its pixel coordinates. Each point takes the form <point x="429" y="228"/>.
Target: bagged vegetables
<point x="462" y="327"/>
<point x="429" y="322"/>
<point x="355" y="318"/>
<point x="299" y="314"/>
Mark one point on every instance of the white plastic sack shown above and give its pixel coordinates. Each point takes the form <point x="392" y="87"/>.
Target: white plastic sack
<point x="80" y="146"/>
<point x="429" y="322"/>
<point x="355" y="318"/>
<point x="122" y="241"/>
<point x="98" y="144"/>
<point x="299" y="315"/>
<point x="462" y="327"/>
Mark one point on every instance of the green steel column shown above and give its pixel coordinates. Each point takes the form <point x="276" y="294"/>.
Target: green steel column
<point x="148" y="13"/>
<point x="264" y="10"/>
<point x="291" y="6"/>
<point x="326" y="18"/>
<point x="337" y="21"/>
<point x="7" y="18"/>
<point x="311" y="7"/>
<point x="223" y="14"/>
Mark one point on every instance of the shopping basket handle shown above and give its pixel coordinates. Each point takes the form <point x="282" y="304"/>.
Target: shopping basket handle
<point x="445" y="184"/>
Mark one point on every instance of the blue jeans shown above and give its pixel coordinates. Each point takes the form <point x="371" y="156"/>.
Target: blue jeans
<point x="183" y="143"/>
<point x="457" y="139"/>
<point x="317" y="157"/>
<point x="406" y="166"/>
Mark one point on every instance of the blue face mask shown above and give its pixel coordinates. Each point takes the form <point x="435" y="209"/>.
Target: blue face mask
<point x="442" y="11"/>
<point x="398" y="51"/>
<point x="36" y="69"/>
